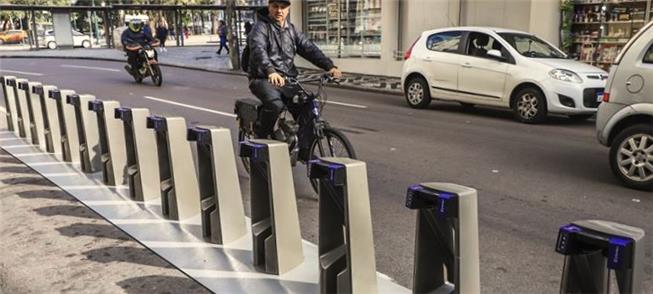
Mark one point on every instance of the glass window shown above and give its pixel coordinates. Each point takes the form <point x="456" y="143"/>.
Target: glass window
<point x="648" y="58"/>
<point x="532" y="46"/>
<point x="345" y="28"/>
<point x="444" y="42"/>
<point x="479" y="44"/>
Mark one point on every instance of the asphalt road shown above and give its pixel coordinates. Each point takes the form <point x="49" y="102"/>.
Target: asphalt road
<point x="531" y="179"/>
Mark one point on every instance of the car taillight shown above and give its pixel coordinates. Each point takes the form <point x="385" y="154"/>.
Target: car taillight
<point x="410" y="50"/>
<point x="606" y="97"/>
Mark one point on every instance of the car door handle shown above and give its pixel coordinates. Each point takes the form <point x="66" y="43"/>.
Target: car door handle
<point x="467" y="65"/>
<point x="427" y="59"/>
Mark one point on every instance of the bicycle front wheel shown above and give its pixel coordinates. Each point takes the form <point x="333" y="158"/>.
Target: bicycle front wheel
<point x="333" y="144"/>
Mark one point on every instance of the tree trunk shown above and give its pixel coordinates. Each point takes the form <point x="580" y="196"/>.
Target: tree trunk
<point x="231" y="21"/>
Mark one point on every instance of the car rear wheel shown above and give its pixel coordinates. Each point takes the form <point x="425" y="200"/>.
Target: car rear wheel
<point x="631" y="156"/>
<point x="530" y="106"/>
<point x="417" y="93"/>
<point x="52" y="45"/>
<point x="86" y="44"/>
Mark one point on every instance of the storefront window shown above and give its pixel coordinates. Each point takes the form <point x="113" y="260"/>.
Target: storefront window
<point x="345" y="28"/>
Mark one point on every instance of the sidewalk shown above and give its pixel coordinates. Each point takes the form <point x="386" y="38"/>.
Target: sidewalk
<point x="51" y="243"/>
<point x="203" y="58"/>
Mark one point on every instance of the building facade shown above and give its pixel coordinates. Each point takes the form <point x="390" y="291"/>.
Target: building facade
<point x="370" y="36"/>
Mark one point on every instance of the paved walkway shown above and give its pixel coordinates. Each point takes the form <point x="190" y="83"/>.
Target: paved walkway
<point x="51" y="243"/>
<point x="203" y="58"/>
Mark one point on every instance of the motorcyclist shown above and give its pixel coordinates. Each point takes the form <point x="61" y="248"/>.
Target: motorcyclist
<point x="134" y="39"/>
<point x="273" y="44"/>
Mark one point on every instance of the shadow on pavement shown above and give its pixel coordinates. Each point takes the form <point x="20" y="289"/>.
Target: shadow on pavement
<point x="126" y="254"/>
<point x="9" y="160"/>
<point x="92" y="230"/>
<point x="45" y="194"/>
<point x="67" y="210"/>
<point x="35" y="180"/>
<point x="16" y="169"/>
<point x="160" y="284"/>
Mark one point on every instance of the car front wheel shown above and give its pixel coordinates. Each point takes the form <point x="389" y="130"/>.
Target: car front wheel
<point x="530" y="106"/>
<point x="86" y="44"/>
<point x="631" y="156"/>
<point x="417" y="93"/>
<point x="52" y="45"/>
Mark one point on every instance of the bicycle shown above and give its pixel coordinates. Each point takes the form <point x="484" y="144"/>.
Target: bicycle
<point x="326" y="141"/>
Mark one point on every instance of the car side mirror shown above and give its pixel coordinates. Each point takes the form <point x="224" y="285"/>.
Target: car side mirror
<point x="496" y="54"/>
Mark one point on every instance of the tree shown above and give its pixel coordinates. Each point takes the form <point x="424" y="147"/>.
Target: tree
<point x="230" y="15"/>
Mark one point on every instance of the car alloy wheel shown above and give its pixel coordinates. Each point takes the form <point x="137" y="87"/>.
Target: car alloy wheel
<point x="528" y="106"/>
<point x="635" y="157"/>
<point x="415" y="93"/>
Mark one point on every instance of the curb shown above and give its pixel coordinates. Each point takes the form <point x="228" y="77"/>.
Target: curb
<point x="226" y="72"/>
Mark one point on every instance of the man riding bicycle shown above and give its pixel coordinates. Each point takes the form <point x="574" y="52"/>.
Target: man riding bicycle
<point x="273" y="44"/>
<point x="134" y="39"/>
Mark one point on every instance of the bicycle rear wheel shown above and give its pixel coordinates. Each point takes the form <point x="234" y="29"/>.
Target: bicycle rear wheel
<point x="333" y="144"/>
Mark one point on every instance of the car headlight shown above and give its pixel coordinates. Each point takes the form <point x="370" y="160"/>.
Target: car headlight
<point x="565" y="75"/>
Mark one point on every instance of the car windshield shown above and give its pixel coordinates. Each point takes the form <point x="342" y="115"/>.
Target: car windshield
<point x="532" y="46"/>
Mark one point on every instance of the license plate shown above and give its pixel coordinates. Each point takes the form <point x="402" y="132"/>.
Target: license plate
<point x="599" y="97"/>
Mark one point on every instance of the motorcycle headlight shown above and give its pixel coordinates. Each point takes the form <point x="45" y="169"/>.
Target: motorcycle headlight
<point x="565" y="75"/>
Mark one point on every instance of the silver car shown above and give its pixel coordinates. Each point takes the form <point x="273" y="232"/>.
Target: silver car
<point x="625" y="118"/>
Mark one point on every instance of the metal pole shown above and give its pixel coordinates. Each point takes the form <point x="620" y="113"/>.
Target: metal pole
<point x="35" y="31"/>
<point x="97" y="33"/>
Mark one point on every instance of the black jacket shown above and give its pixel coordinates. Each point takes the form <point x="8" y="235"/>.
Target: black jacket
<point x="130" y="38"/>
<point x="273" y="49"/>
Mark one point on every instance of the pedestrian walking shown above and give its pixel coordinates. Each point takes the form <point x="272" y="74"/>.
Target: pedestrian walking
<point x="222" y="32"/>
<point x="162" y="33"/>
<point x="248" y="28"/>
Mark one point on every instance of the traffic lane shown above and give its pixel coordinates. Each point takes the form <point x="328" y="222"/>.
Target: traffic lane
<point x="444" y="116"/>
<point x="531" y="167"/>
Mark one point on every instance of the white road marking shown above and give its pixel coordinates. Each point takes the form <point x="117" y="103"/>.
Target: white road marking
<point x="90" y="67"/>
<point x="347" y="104"/>
<point x="190" y="106"/>
<point x="22" y="72"/>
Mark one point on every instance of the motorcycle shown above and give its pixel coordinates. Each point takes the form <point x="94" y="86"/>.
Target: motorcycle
<point x="325" y="141"/>
<point x="149" y="66"/>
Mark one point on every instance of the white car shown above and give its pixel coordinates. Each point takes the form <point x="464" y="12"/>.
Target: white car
<point x="79" y="40"/>
<point x="625" y="119"/>
<point x="500" y="67"/>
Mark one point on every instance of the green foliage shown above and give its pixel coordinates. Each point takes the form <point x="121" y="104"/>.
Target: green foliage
<point x="566" y="15"/>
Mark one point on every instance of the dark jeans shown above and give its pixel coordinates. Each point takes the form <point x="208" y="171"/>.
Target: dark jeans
<point x="223" y="44"/>
<point x="274" y="99"/>
<point x="133" y="59"/>
<point x="163" y="42"/>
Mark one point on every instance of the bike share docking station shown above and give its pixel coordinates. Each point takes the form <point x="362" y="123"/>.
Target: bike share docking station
<point x="180" y="195"/>
<point x="20" y="93"/>
<point x="446" y="242"/>
<point x="87" y="128"/>
<point x="113" y="158"/>
<point x="276" y="238"/>
<point x="223" y="214"/>
<point x="8" y="88"/>
<point x="346" y="246"/>
<point x="67" y="126"/>
<point x="35" y="111"/>
<point x="593" y="249"/>
<point x="142" y="164"/>
<point x="43" y="114"/>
